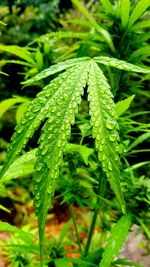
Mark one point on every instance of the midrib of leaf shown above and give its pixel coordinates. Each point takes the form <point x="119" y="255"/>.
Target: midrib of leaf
<point x="53" y="141"/>
<point x="103" y="116"/>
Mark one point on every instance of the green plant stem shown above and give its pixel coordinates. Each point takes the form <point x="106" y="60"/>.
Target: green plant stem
<point x="76" y="229"/>
<point x="101" y="192"/>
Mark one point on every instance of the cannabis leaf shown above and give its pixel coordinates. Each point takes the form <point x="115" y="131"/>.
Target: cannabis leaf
<point x="56" y="106"/>
<point x="117" y="237"/>
<point x="103" y="116"/>
<point x="56" y="131"/>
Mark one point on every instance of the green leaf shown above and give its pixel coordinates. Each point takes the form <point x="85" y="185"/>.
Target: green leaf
<point x="65" y="231"/>
<point x="125" y="9"/>
<point x="100" y="29"/>
<point x="62" y="263"/>
<point x="9" y="103"/>
<point x="139" y="9"/>
<point x="55" y="68"/>
<point x="103" y="116"/>
<point x="21" y="167"/>
<point x="117" y="238"/>
<point x="123" y="105"/>
<point x="127" y="263"/>
<point x="120" y="64"/>
<point x="139" y="140"/>
<point x="4" y="73"/>
<point x="141" y="25"/>
<point x="21" y="110"/>
<point x="136" y="166"/>
<point x="5" y="209"/>
<point x="53" y="139"/>
<point x="84" y="151"/>
<point x="21" y="52"/>
<point x="24" y="236"/>
<point x="107" y="5"/>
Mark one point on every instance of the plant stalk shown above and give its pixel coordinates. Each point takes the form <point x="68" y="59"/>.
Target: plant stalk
<point x="76" y="229"/>
<point x="101" y="192"/>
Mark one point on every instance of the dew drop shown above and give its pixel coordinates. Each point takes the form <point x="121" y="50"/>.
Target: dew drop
<point x="37" y="203"/>
<point x="37" y="196"/>
<point x="110" y="124"/>
<point x="39" y="166"/>
<point x="109" y="166"/>
<point x="113" y="137"/>
<point x="49" y="189"/>
<point x="44" y="150"/>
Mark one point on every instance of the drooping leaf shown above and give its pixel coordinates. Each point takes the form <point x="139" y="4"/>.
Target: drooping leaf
<point x="117" y="238"/>
<point x="21" y="52"/>
<point x="108" y="7"/>
<point x="84" y="151"/>
<point x="123" y="105"/>
<point x="100" y="29"/>
<point x="139" y="140"/>
<point x="125" y="9"/>
<point x="9" y="103"/>
<point x="139" y="9"/>
<point x="55" y="68"/>
<point x="56" y="131"/>
<point x="4" y="208"/>
<point x="120" y="64"/>
<point x="21" y="110"/>
<point x="25" y="236"/>
<point x="103" y="116"/>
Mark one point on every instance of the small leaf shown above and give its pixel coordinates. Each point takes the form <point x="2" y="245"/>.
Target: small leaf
<point x="84" y="151"/>
<point x="107" y="5"/>
<point x="125" y="9"/>
<point x="62" y="262"/>
<point x="9" y="103"/>
<point x="139" y="140"/>
<point x="139" y="9"/>
<point x="123" y="105"/>
<point x="21" y="110"/>
<point x="26" y="237"/>
<point x="120" y="64"/>
<point x="117" y="238"/>
<point x="5" y="209"/>
<point x="18" y="51"/>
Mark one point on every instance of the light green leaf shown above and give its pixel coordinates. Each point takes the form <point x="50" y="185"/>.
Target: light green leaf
<point x="55" y="68"/>
<point x="5" y="209"/>
<point x="84" y="151"/>
<point x="117" y="238"/>
<point x="65" y="231"/>
<point x="125" y="9"/>
<point x="103" y="116"/>
<point x="4" y="73"/>
<point x="139" y="140"/>
<point x="21" y="167"/>
<point x="139" y="9"/>
<point x="120" y="64"/>
<point x="123" y="105"/>
<point x="141" y="25"/>
<point x="21" y="110"/>
<point x="136" y="166"/>
<point x="100" y="29"/>
<point x="108" y="7"/>
<point x="18" y="51"/>
<point x="9" y="103"/>
<point x="24" y="236"/>
<point x="62" y="263"/>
